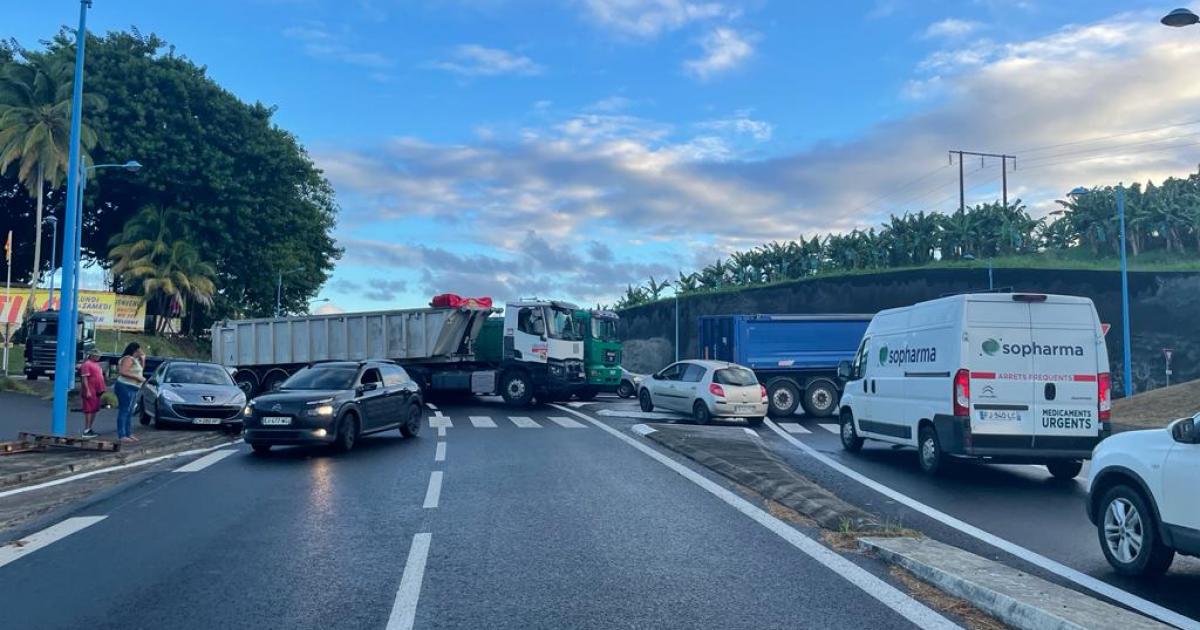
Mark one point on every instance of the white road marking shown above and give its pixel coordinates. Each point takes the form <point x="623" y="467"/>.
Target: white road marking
<point x="1086" y="581"/>
<point x="431" y="406"/>
<point x="437" y="414"/>
<point x="439" y="455"/>
<point x="524" y="422"/>
<point x="642" y="429"/>
<point x="404" y="609"/>
<point x="576" y="405"/>
<point x="482" y="422"/>
<point x="31" y="543"/>
<point x="566" y="422"/>
<point x="750" y="431"/>
<point x="206" y="461"/>
<point x="434" y="492"/>
<point x="832" y="428"/>
<point x="441" y="432"/>
<point x="888" y="595"/>
<point x="794" y="427"/>
<point x="639" y="415"/>
<point x="440" y="421"/>
<point x="101" y="471"/>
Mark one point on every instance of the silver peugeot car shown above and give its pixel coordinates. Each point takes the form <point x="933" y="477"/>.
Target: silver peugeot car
<point x="191" y="392"/>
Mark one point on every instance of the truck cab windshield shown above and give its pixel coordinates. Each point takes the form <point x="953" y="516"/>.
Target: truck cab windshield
<point x="563" y="325"/>
<point x="604" y="329"/>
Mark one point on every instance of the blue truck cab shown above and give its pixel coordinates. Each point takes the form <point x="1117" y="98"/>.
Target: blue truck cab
<point x="795" y="356"/>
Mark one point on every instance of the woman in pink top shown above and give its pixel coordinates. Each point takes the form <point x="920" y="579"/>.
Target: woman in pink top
<point x="91" y="386"/>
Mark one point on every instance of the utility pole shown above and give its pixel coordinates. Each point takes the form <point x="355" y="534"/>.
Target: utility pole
<point x="1004" y="158"/>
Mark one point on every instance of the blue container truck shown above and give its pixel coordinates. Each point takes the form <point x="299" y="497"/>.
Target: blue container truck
<point x="794" y="356"/>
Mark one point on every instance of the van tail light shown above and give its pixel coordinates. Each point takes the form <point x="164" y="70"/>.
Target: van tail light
<point x="763" y="390"/>
<point x="1104" y="396"/>
<point x="716" y="390"/>
<point x="962" y="394"/>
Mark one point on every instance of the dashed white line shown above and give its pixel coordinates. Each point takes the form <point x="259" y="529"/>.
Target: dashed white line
<point x="642" y="429"/>
<point x="566" y="422"/>
<point x="832" y="428"/>
<point x="31" y="543"/>
<point x="434" y="492"/>
<point x="524" y="422"/>
<point x="439" y="455"/>
<point x="440" y="421"/>
<point x="441" y="432"/>
<point x="206" y="461"/>
<point x="431" y="406"/>
<point x="482" y="422"/>
<point x="888" y="595"/>
<point x="794" y="427"/>
<point x="404" y="609"/>
<point x="1086" y="581"/>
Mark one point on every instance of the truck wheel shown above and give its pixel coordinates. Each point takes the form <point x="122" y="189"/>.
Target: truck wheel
<point x="273" y="380"/>
<point x="783" y="397"/>
<point x="850" y="440"/>
<point x="516" y="389"/>
<point x="929" y="451"/>
<point x="1129" y="534"/>
<point x="246" y="381"/>
<point x="820" y="399"/>
<point x="1064" y="470"/>
<point x="645" y="402"/>
<point x="587" y="393"/>
<point x="32" y="376"/>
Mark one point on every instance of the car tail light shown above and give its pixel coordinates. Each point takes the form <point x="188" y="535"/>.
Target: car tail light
<point x="1104" y="396"/>
<point x="962" y="393"/>
<point x="716" y="390"/>
<point x="763" y="389"/>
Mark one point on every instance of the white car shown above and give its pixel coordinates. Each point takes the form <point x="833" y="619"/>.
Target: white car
<point x="1142" y="497"/>
<point x="706" y="389"/>
<point x="628" y="386"/>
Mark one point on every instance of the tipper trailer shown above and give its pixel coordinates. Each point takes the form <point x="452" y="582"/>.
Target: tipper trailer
<point x="533" y="351"/>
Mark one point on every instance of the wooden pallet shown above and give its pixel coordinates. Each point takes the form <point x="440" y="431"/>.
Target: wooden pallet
<point x="18" y="446"/>
<point x="85" y="444"/>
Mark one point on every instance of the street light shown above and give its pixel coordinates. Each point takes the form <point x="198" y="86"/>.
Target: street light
<point x="1126" y="344"/>
<point x="279" y="287"/>
<point x="53" y="221"/>
<point x="1180" y="17"/>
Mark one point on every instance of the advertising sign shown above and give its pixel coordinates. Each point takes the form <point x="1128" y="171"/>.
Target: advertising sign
<point x="112" y="311"/>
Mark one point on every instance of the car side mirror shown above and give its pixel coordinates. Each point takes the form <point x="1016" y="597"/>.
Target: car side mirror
<point x="657" y="376"/>
<point x="152" y="381"/>
<point x="1184" y="431"/>
<point x="843" y="369"/>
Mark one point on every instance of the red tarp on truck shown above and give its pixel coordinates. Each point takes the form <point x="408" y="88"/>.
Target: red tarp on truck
<point x="450" y="300"/>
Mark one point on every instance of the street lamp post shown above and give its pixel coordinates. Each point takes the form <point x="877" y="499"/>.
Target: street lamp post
<point x="279" y="288"/>
<point x="53" y="221"/>
<point x="1126" y="342"/>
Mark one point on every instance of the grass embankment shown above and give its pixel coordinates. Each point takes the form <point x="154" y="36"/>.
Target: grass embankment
<point x="1156" y="408"/>
<point x="182" y="347"/>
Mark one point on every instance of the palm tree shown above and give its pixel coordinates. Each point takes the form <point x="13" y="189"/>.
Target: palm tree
<point x="172" y="281"/>
<point x="35" y="127"/>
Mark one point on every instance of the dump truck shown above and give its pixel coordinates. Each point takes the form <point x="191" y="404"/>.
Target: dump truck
<point x="533" y="351"/>
<point x="601" y="352"/>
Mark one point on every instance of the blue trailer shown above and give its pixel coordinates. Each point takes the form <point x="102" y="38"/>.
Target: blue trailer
<point x="795" y="356"/>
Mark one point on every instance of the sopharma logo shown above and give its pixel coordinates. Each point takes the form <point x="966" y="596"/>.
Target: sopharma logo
<point x="992" y="347"/>
<point x="883" y="355"/>
<point x="904" y="356"/>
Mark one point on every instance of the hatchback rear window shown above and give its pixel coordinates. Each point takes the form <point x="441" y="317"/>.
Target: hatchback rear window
<point x="735" y="376"/>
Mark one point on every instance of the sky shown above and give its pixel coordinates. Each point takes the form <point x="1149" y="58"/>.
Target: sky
<point x="568" y="148"/>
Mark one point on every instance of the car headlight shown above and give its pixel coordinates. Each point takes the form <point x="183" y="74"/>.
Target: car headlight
<point x="320" y="410"/>
<point x="171" y="396"/>
<point x="248" y="411"/>
<point x="637" y="380"/>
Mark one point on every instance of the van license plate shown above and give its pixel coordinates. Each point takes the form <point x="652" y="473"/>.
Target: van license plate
<point x="1001" y="415"/>
<point x="743" y="409"/>
<point x="206" y="421"/>
<point x="276" y="420"/>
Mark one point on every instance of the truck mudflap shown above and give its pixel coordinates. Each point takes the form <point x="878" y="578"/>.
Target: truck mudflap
<point x="954" y="433"/>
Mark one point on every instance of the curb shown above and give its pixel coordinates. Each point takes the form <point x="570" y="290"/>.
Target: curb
<point x="26" y="477"/>
<point x="1014" y="597"/>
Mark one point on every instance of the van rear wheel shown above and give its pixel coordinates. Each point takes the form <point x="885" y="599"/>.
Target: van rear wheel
<point x="1064" y="470"/>
<point x="929" y="451"/>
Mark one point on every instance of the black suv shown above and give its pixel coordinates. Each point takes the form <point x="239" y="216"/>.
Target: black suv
<point x="335" y="403"/>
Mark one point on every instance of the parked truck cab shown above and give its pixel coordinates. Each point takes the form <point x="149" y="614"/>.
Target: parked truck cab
<point x="41" y="341"/>
<point x="601" y="352"/>
<point x="543" y="339"/>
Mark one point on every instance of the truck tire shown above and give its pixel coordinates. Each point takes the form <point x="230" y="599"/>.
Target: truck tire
<point x="587" y="393"/>
<point x="516" y="389"/>
<point x="820" y="399"/>
<point x="32" y="376"/>
<point x="273" y="380"/>
<point x="247" y="381"/>
<point x="783" y="396"/>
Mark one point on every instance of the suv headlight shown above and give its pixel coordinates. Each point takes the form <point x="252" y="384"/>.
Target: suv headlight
<point x="320" y="408"/>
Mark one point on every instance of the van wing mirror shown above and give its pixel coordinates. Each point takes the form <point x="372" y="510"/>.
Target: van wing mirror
<point x="843" y="370"/>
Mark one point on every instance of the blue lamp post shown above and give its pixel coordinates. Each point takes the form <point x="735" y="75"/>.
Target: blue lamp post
<point x="1126" y="343"/>
<point x="68" y="315"/>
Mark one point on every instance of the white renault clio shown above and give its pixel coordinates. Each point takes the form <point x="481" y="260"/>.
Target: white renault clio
<point x="1142" y="496"/>
<point x="706" y="389"/>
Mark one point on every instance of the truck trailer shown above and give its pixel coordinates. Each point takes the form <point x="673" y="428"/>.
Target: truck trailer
<point x="533" y="351"/>
<point x="795" y="356"/>
<point x="601" y="352"/>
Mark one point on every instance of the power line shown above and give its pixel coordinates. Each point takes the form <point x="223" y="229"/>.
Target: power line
<point x="1109" y="137"/>
<point x="1099" y="157"/>
<point x="1157" y="141"/>
<point x="902" y="187"/>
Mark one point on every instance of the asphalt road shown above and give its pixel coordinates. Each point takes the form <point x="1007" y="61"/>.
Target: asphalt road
<point x="25" y="412"/>
<point x="536" y="523"/>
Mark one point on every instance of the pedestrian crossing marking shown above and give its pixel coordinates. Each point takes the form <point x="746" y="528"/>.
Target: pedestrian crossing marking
<point x="832" y="428"/>
<point x="524" y="422"/>
<point x="794" y="427"/>
<point x="564" y="421"/>
<point x="440" y="421"/>
<point x="482" y="422"/>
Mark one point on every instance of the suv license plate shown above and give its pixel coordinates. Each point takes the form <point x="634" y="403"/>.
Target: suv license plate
<point x="206" y="421"/>
<point x="744" y="409"/>
<point x="276" y="420"/>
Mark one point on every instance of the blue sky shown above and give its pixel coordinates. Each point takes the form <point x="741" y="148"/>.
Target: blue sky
<point x="513" y="147"/>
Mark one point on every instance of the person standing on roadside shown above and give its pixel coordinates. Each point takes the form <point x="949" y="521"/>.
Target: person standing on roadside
<point x="129" y="380"/>
<point x="91" y="378"/>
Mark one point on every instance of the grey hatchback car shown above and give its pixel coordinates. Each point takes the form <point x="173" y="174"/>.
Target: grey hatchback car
<point x="191" y="392"/>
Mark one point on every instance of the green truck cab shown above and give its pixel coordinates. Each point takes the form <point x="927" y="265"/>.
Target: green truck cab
<point x="601" y="352"/>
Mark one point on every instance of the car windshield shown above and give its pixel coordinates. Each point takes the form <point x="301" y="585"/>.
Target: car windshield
<point x="604" y="329"/>
<point x="735" y="376"/>
<point x="563" y="325"/>
<point x="197" y="374"/>
<point x="322" y="378"/>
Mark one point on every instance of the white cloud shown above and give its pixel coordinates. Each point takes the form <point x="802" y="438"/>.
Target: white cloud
<point x="951" y="28"/>
<point x="649" y="18"/>
<point x="724" y="50"/>
<point x="320" y="42"/>
<point x="741" y="124"/>
<point x="473" y="60"/>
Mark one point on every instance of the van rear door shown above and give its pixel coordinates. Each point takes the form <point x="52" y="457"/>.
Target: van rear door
<point x="998" y="331"/>
<point x="1065" y="361"/>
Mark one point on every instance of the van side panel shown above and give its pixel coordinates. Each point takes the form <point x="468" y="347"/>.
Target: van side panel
<point x="1001" y="373"/>
<point x="1065" y="367"/>
<point x="931" y="355"/>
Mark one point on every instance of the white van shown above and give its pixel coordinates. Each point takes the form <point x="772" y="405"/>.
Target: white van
<point x="1003" y="377"/>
